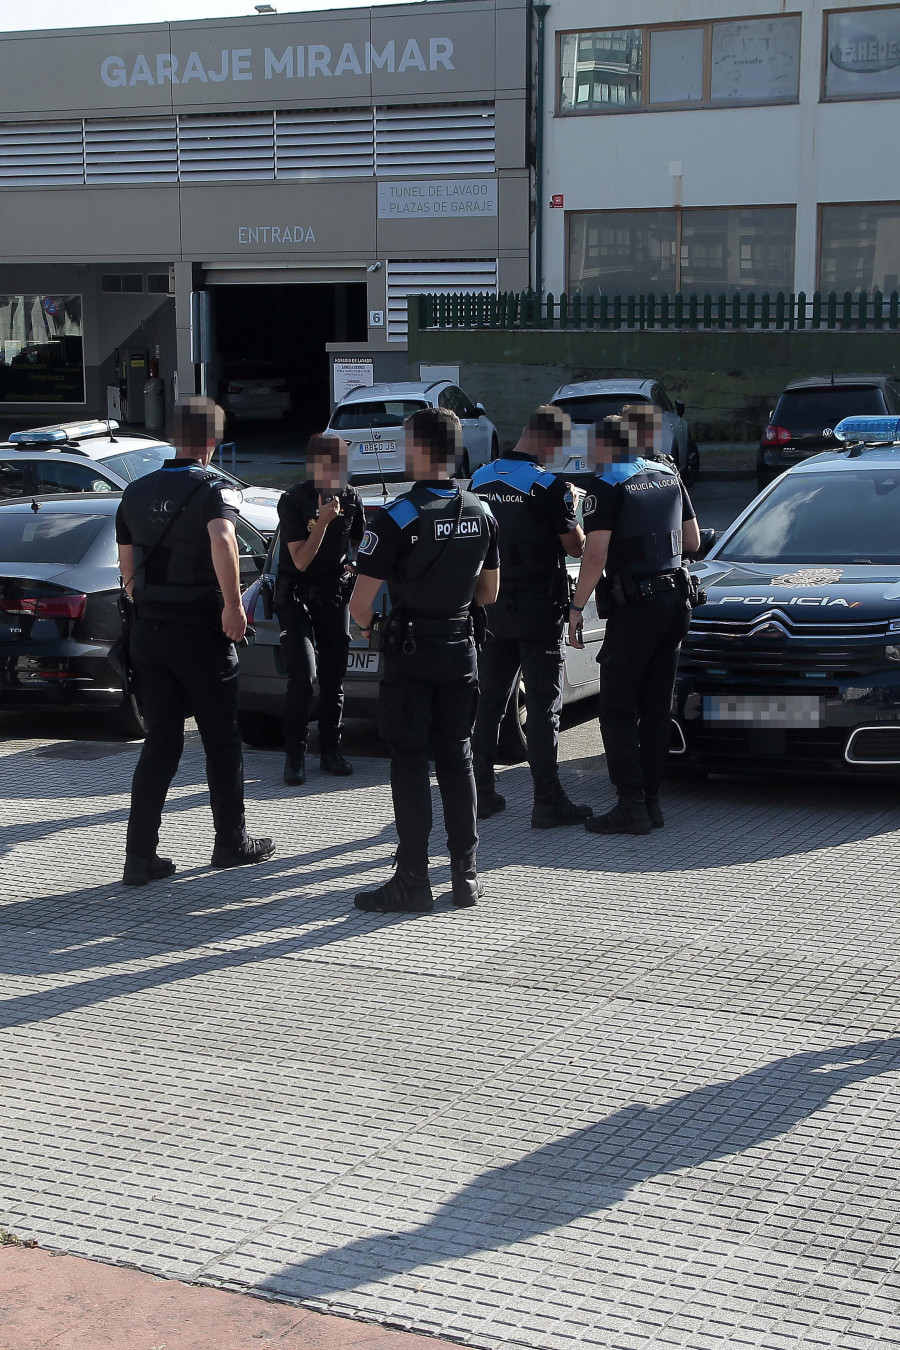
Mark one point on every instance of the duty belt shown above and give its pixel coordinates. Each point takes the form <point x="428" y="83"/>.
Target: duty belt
<point x="630" y="590"/>
<point x="461" y="627"/>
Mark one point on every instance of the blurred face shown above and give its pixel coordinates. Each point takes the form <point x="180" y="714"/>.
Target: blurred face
<point x="609" y="444"/>
<point x="645" y="430"/>
<point x="421" y="465"/>
<point x="326" y="462"/>
<point x="542" y="443"/>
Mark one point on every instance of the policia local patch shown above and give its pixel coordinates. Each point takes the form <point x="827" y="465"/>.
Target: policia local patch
<point x="467" y="527"/>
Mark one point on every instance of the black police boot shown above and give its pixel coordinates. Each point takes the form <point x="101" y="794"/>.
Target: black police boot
<point x="250" y="851"/>
<point x="654" y="811"/>
<point x="489" y="801"/>
<point x="629" y="816"/>
<point x="404" y="893"/>
<point x="556" y="808"/>
<point x="332" y="761"/>
<point x="467" y="888"/>
<point x="138" y="871"/>
<point x="295" y="770"/>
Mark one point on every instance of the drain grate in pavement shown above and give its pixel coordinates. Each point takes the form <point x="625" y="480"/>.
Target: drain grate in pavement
<point x="83" y="750"/>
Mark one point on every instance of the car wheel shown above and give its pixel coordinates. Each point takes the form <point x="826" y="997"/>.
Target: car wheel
<point x="690" y="470"/>
<point x="128" y="719"/>
<point x="260" y="730"/>
<point x="512" y="746"/>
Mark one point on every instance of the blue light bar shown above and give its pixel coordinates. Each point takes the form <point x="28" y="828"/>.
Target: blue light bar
<point x="66" y="431"/>
<point x="871" y="430"/>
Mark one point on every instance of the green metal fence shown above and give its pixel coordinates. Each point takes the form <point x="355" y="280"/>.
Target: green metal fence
<point x="782" y="310"/>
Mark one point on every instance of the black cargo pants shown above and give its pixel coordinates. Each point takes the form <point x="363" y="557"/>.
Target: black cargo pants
<point x="427" y="703"/>
<point x="315" y="638"/>
<point x="181" y="672"/>
<point x="637" y="660"/>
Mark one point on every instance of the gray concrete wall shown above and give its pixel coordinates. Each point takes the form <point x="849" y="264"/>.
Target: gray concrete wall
<point x="729" y="381"/>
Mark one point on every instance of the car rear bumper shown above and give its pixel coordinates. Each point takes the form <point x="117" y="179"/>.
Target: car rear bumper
<point x="857" y="730"/>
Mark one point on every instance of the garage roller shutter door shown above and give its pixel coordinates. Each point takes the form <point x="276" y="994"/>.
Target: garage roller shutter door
<point x="131" y="150"/>
<point x="441" y="277"/>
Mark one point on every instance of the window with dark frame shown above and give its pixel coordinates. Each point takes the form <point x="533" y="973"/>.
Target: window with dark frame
<point x="859" y="247"/>
<point x="693" y="249"/>
<point x="716" y="63"/>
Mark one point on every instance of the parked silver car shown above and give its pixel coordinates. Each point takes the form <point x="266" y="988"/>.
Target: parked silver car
<point x="371" y="420"/>
<point x="589" y="401"/>
<point x="263" y="677"/>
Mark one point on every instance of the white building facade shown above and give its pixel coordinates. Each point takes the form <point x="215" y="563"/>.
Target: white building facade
<point x="720" y="145"/>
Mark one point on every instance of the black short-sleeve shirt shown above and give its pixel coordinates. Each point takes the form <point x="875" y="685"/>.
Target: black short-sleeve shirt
<point x="298" y="510"/>
<point x="391" y="537"/>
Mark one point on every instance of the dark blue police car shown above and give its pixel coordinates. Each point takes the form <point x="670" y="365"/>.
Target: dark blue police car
<point x="793" y="663"/>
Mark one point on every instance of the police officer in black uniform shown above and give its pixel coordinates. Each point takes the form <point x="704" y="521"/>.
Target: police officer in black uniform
<point x="178" y="557"/>
<point x="436" y="547"/>
<point x="535" y="513"/>
<point x="320" y="518"/>
<point x="639" y="522"/>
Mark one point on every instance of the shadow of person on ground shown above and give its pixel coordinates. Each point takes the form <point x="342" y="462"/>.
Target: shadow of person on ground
<point x="595" y="1168"/>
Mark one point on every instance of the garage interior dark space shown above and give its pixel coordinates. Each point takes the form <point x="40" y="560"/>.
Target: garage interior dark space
<point x="287" y="326"/>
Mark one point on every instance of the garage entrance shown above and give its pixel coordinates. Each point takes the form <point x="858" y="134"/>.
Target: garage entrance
<point x="283" y="329"/>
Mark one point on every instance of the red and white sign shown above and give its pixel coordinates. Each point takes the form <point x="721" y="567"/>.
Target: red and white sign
<point x="557" y="199"/>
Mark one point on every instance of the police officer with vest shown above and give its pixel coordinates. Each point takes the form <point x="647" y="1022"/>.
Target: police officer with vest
<point x="320" y="518"/>
<point x="178" y="556"/>
<point x="639" y="522"/>
<point x="436" y="547"/>
<point x="535" y="513"/>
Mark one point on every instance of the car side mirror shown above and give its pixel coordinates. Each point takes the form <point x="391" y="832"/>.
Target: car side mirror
<point x="707" y="540"/>
<point x="480" y="407"/>
<point x="679" y="407"/>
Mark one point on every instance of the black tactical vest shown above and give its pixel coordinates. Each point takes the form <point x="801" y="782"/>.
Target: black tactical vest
<point x="329" y="561"/>
<point x="529" y="549"/>
<point x="438" y="578"/>
<point x="180" y="569"/>
<point x="647" y="535"/>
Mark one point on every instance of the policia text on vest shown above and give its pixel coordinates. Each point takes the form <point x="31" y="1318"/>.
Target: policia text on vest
<point x="436" y="548"/>
<point x="638" y="520"/>
<point x="179" y="559"/>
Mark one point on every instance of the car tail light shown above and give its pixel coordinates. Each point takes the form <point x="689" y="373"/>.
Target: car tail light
<point x="234" y="389"/>
<point x="69" y="606"/>
<point x="776" y="435"/>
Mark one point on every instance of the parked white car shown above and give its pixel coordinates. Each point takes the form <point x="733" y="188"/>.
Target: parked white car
<point x="94" y="456"/>
<point x="589" y="401"/>
<point x="371" y="420"/>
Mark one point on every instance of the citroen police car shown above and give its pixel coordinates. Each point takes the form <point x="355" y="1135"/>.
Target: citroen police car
<point x="793" y="662"/>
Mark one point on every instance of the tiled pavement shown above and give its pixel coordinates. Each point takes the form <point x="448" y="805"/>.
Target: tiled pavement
<point x="646" y="1094"/>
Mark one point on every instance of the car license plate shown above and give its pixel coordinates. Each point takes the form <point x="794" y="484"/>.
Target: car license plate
<point x="259" y="391"/>
<point x="363" y="662"/>
<point x="791" y="711"/>
<point x="376" y="447"/>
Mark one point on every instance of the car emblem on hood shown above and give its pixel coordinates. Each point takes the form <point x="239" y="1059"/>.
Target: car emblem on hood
<point x="828" y="431"/>
<point x="769" y="627"/>
<point x="809" y="576"/>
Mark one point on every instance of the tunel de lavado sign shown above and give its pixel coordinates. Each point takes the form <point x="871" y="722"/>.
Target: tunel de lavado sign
<point x="294" y="62"/>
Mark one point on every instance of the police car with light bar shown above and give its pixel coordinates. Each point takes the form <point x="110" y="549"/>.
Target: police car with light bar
<point x="94" y="456"/>
<point x="793" y="662"/>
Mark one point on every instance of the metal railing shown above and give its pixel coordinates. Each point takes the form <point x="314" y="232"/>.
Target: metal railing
<point x="780" y="311"/>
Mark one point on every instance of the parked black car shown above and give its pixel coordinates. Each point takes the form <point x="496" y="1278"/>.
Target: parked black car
<point x="59" y="580"/>
<point x="803" y="420"/>
<point x="793" y="663"/>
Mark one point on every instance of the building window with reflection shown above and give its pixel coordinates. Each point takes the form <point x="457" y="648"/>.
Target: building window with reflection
<point x="859" y="247"/>
<point x="688" y="250"/>
<point x="862" y="53"/>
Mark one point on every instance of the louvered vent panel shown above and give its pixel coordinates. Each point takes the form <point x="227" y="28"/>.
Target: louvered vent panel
<point x="215" y="149"/>
<point x="433" y="278"/>
<point x="131" y="150"/>
<point x="37" y="153"/>
<point x="435" y="139"/>
<point x="324" y="144"/>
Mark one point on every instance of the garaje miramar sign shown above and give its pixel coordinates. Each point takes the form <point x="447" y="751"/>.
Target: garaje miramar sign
<point x="293" y="63"/>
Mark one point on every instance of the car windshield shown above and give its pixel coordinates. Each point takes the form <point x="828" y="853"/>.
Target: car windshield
<point x="594" y="409"/>
<point x="383" y="413"/>
<point x="47" y="538"/>
<point x="849" y="516"/>
<point x="132" y="464"/>
<point x="815" y="409"/>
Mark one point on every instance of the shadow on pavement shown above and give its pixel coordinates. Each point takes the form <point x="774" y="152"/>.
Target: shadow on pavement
<point x="596" y="1167"/>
